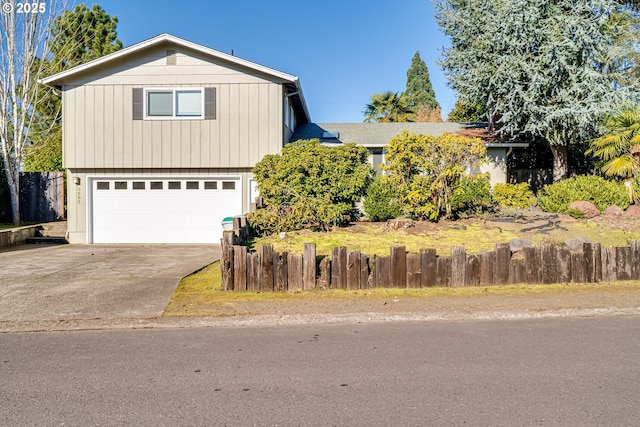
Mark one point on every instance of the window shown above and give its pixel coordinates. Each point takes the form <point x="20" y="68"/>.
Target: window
<point x="187" y="103"/>
<point x="228" y="185"/>
<point x="155" y="185"/>
<point x="193" y="185"/>
<point x="120" y="185"/>
<point x="138" y="185"/>
<point x="175" y="185"/>
<point x="210" y="185"/>
<point x="103" y="185"/>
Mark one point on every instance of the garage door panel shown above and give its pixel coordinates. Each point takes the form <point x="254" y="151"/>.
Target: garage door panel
<point x="176" y="213"/>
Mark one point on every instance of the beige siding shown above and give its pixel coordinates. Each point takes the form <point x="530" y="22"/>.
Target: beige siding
<point x="99" y="131"/>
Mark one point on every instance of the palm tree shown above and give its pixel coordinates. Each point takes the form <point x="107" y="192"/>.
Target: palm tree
<point x="619" y="149"/>
<point x="387" y="107"/>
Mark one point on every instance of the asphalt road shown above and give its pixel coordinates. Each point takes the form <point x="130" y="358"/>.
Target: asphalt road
<point x="551" y="372"/>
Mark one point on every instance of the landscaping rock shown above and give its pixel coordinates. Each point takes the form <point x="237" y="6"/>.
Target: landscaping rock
<point x="282" y="235"/>
<point x="396" y="224"/>
<point x="576" y="243"/>
<point x="632" y="211"/>
<point x="613" y="211"/>
<point x="517" y="245"/>
<point x="587" y="209"/>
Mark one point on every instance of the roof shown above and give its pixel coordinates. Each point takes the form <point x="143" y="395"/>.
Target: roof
<point x="371" y="134"/>
<point x="292" y="83"/>
<point x="377" y="135"/>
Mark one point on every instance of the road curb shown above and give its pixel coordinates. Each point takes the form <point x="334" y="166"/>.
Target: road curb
<point x="299" y="320"/>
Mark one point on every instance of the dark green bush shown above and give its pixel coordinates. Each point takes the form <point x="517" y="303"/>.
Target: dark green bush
<point x="472" y="196"/>
<point x="383" y="201"/>
<point x="310" y="186"/>
<point x="513" y="195"/>
<point x="601" y="192"/>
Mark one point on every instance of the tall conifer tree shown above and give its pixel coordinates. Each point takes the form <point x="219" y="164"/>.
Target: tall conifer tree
<point x="419" y="93"/>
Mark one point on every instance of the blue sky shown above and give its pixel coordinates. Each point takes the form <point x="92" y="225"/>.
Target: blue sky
<point x="343" y="51"/>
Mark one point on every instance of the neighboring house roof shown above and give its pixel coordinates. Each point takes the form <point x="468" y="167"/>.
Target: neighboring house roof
<point x="370" y="134"/>
<point x="377" y="135"/>
<point x="292" y="83"/>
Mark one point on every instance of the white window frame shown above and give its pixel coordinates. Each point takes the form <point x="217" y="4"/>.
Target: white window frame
<point x="173" y="90"/>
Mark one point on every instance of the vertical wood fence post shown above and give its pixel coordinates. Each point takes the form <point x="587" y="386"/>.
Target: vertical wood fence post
<point x="487" y="268"/>
<point x="472" y="274"/>
<point x="240" y="268"/>
<point x="339" y="267"/>
<point x="549" y="267"/>
<point x="324" y="279"/>
<point x="623" y="263"/>
<point x="590" y="273"/>
<point x="309" y="266"/>
<point x="353" y="270"/>
<point x="564" y="261"/>
<point x="577" y="267"/>
<point x="227" y="260"/>
<point x="597" y="262"/>
<point x="365" y="272"/>
<point x="381" y="272"/>
<point x="398" y="267"/>
<point x="443" y="268"/>
<point x="428" y="268"/>
<point x="266" y="268"/>
<point x="281" y="271"/>
<point x="295" y="272"/>
<point x="635" y="260"/>
<point x="253" y="272"/>
<point x="503" y="258"/>
<point x="414" y="273"/>
<point x="458" y="266"/>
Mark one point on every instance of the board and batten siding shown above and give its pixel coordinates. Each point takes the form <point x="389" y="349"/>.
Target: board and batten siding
<point x="99" y="130"/>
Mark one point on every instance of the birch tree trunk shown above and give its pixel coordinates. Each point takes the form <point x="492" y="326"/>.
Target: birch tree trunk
<point x="23" y="43"/>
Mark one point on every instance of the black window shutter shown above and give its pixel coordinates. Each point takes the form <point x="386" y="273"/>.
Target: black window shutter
<point x="210" y="103"/>
<point x="138" y="109"/>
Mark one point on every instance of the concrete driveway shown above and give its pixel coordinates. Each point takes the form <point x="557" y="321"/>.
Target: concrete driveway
<point x="67" y="282"/>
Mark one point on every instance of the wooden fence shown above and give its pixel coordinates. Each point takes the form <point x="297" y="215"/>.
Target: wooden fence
<point x="269" y="271"/>
<point x="41" y="196"/>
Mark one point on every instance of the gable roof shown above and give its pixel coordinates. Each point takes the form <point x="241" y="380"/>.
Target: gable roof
<point x="371" y="134"/>
<point x="292" y="83"/>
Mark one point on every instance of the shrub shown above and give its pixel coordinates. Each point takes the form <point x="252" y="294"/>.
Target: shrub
<point x="310" y="186"/>
<point x="602" y="193"/>
<point x="472" y="196"/>
<point x="426" y="169"/>
<point x="517" y="196"/>
<point x="382" y="201"/>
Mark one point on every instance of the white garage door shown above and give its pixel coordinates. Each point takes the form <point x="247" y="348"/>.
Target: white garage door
<point x="167" y="210"/>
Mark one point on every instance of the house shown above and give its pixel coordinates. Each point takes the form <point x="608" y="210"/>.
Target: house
<point x="375" y="136"/>
<point x="159" y="139"/>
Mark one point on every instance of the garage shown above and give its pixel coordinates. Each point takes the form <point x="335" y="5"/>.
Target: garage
<point x="162" y="210"/>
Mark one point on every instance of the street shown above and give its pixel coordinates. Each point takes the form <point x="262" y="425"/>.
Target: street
<point x="550" y="372"/>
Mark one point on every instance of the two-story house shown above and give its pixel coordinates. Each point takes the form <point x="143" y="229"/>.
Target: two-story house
<point x="159" y="139"/>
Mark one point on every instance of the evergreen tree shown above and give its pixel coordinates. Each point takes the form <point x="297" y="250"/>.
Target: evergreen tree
<point x="77" y="36"/>
<point x="419" y="91"/>
<point x="545" y="68"/>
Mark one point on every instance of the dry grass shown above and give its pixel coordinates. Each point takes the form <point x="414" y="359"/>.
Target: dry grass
<point x="475" y="235"/>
